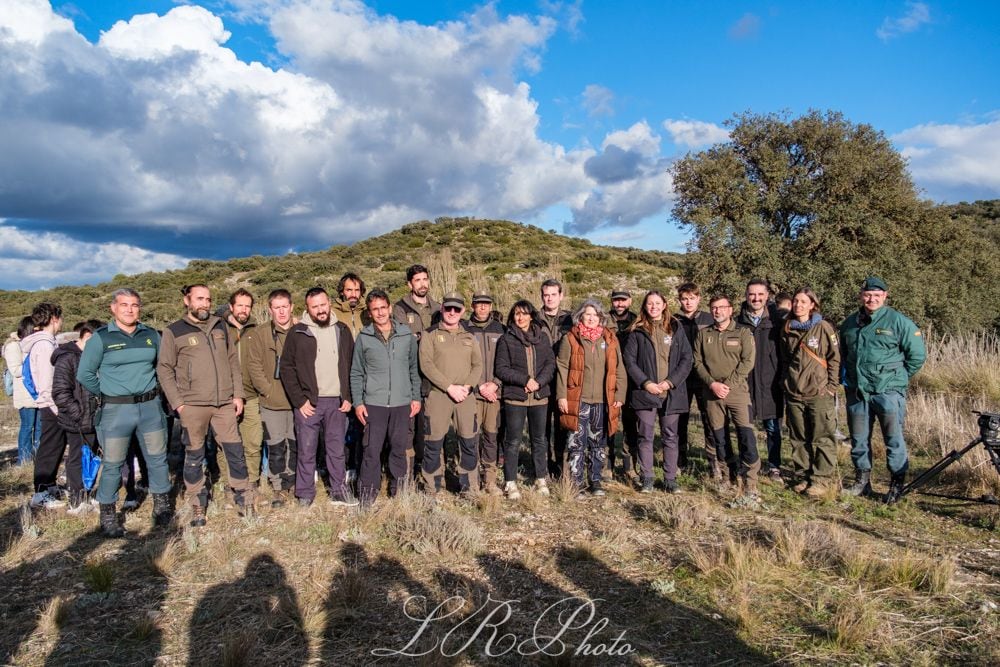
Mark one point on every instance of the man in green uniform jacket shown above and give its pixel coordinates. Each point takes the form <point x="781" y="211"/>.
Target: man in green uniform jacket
<point x="882" y="349"/>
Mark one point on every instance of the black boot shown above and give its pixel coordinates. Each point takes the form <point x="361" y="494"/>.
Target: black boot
<point x="862" y="484"/>
<point x="198" y="516"/>
<point x="109" y="521"/>
<point x="895" y="488"/>
<point x="163" y="513"/>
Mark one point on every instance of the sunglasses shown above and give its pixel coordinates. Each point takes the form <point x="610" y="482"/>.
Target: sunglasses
<point x="453" y="309"/>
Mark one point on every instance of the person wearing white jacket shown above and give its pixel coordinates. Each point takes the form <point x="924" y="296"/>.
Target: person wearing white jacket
<point x="31" y="430"/>
<point x="38" y="347"/>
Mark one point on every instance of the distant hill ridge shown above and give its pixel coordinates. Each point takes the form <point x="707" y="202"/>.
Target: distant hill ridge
<point x="508" y="259"/>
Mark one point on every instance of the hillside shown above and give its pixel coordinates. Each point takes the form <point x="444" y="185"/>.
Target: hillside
<point x="507" y="258"/>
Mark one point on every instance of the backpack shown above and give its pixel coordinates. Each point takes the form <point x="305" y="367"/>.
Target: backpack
<point x="29" y="382"/>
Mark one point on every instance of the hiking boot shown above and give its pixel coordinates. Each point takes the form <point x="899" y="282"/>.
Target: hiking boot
<point x="596" y="489"/>
<point x="671" y="486"/>
<point x="305" y="502"/>
<point x="801" y="486"/>
<point x="510" y="488"/>
<point x="773" y="475"/>
<point x="163" y="513"/>
<point x="198" y="516"/>
<point x="862" y="484"/>
<point x="46" y="501"/>
<point x="130" y="505"/>
<point x="110" y="525"/>
<point x="896" y="485"/>
<point x="541" y="487"/>
<point x="343" y="500"/>
<point x="80" y="509"/>
<point x="647" y="485"/>
<point x="279" y="499"/>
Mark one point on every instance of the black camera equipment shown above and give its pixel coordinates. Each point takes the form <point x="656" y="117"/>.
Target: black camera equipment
<point x="989" y="437"/>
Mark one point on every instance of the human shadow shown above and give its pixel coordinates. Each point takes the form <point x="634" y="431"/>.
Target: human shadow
<point x="38" y="586"/>
<point x="126" y="604"/>
<point x="655" y="627"/>
<point x="370" y="607"/>
<point x="253" y="620"/>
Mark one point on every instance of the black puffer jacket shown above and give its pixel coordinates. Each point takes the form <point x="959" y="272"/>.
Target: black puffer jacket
<point x="511" y="366"/>
<point x="766" y="393"/>
<point x="640" y="364"/>
<point x="76" y="405"/>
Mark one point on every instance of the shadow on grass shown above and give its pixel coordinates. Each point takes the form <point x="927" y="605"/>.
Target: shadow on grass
<point x="657" y="628"/>
<point x="253" y="620"/>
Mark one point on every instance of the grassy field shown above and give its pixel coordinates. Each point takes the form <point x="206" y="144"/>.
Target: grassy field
<point x="627" y="579"/>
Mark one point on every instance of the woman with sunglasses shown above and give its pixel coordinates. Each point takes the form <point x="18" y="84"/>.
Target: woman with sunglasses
<point x="525" y="364"/>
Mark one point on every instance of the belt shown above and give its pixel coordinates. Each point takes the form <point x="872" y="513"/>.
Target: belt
<point x="137" y="398"/>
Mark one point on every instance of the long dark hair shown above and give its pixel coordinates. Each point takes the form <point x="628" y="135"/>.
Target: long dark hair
<point x="524" y="306"/>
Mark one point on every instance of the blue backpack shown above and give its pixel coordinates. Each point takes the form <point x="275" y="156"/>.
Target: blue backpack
<point x="26" y="378"/>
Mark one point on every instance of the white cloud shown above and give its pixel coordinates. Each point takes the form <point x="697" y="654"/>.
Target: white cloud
<point x="45" y="259"/>
<point x="954" y="162"/>
<point x="598" y="100"/>
<point x="633" y="181"/>
<point x="695" y="133"/>
<point x="158" y="136"/>
<point x="917" y="14"/>
<point x="747" y="27"/>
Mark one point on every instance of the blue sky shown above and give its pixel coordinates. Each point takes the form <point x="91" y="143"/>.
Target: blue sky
<point x="132" y="142"/>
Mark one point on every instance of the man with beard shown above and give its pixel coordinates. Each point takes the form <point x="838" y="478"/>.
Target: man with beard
<point x="199" y="373"/>
<point x="349" y="307"/>
<point x="316" y="373"/>
<point x="385" y="384"/>
<point x="418" y="311"/>
<point x="767" y="397"/>
<point x="723" y="359"/>
<point x="350" y="310"/>
<point x="484" y="324"/>
<point x="623" y="317"/>
<point x="239" y="320"/>
<point x="264" y="349"/>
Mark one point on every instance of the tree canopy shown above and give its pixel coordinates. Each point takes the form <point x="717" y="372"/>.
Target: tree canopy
<point x="820" y="201"/>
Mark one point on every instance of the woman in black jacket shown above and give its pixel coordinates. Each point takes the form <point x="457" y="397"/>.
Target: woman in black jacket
<point x="525" y="364"/>
<point x="76" y="411"/>
<point x="657" y="359"/>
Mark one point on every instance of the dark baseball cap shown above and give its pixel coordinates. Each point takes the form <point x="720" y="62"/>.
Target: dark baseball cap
<point x="481" y="297"/>
<point x="620" y="294"/>
<point x="874" y="284"/>
<point x="453" y="299"/>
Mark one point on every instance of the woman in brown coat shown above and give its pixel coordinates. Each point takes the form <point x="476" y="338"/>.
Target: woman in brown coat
<point x="590" y="389"/>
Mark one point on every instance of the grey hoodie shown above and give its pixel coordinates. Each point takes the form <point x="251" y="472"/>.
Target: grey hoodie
<point x="39" y="347"/>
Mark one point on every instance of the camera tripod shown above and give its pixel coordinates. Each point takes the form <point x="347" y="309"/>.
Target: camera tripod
<point x="989" y="437"/>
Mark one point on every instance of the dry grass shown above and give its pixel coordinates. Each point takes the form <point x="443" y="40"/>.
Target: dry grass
<point x="855" y="622"/>
<point x="682" y="514"/>
<point x="963" y="365"/>
<point x="98" y="575"/>
<point x="54" y="615"/>
<point x="417" y="524"/>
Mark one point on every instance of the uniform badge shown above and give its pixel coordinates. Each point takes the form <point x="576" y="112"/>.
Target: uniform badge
<point x="833" y="339"/>
<point x="410" y="318"/>
<point x="667" y="340"/>
<point x="440" y="338"/>
<point x="149" y="342"/>
<point x="192" y="340"/>
<point x="813" y="343"/>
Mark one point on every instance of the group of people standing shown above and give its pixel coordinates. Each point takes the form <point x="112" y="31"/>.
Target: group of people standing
<point x="357" y="385"/>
